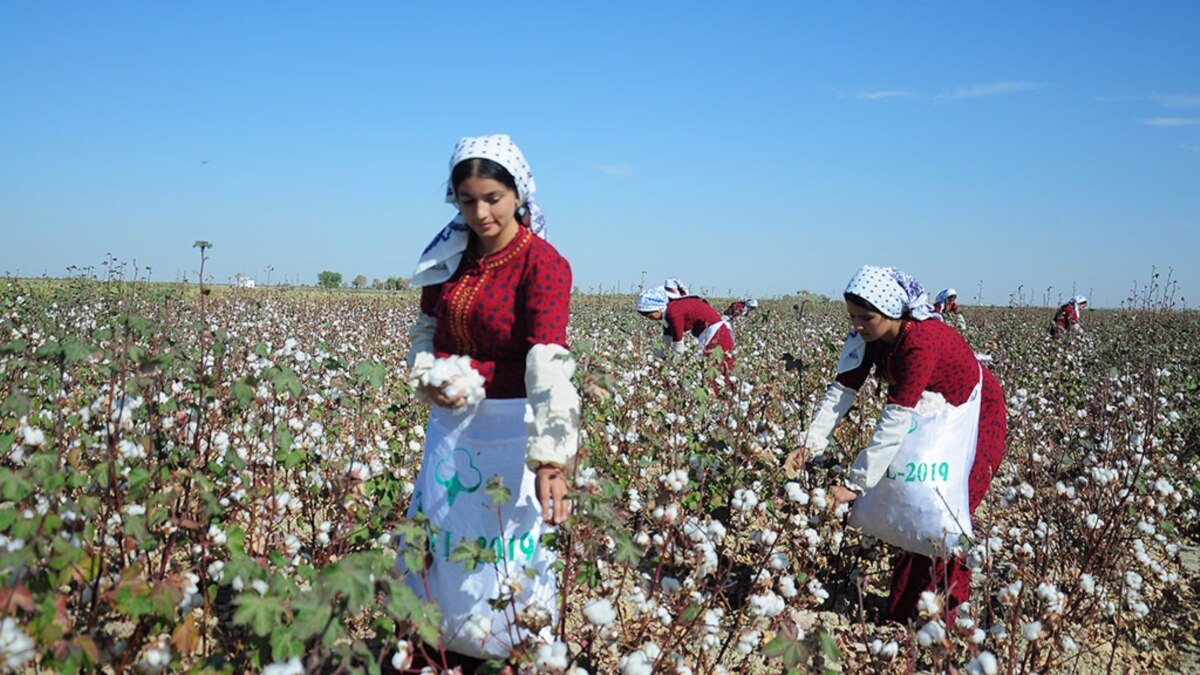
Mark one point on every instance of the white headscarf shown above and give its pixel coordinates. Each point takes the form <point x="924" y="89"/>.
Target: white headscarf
<point x="674" y="288"/>
<point x="945" y="294"/>
<point x="1077" y="301"/>
<point x="895" y="294"/>
<point x="653" y="299"/>
<point x="441" y="257"/>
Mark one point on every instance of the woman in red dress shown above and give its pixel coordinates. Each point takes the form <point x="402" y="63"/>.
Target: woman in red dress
<point x="1066" y="319"/>
<point x="688" y="314"/>
<point x="495" y="295"/>
<point x="895" y="333"/>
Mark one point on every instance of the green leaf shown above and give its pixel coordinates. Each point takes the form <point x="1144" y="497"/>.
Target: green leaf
<point x="830" y="649"/>
<point x="370" y="373"/>
<point x="470" y="553"/>
<point x="790" y="652"/>
<point x="285" y="380"/>
<point x="243" y="392"/>
<point x="495" y="489"/>
<point x="260" y="612"/>
<point x="404" y="605"/>
<point x="283" y="437"/>
<point x="284" y="645"/>
<point x="13" y="487"/>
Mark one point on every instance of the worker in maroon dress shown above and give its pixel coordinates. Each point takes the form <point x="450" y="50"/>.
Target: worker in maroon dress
<point x="896" y="334"/>
<point x="740" y="308"/>
<point x="1066" y="319"/>
<point x="489" y="354"/>
<point x="688" y="314"/>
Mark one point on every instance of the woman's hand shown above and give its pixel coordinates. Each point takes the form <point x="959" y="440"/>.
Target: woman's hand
<point x="795" y="461"/>
<point x="551" y="486"/>
<point x="841" y="495"/>
<point x="439" y="397"/>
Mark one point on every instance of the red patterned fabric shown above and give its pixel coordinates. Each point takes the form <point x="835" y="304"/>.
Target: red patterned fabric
<point x="693" y="315"/>
<point x="496" y="307"/>
<point x="932" y="356"/>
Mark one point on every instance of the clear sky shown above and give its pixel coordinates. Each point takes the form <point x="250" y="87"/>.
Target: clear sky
<point x="744" y="147"/>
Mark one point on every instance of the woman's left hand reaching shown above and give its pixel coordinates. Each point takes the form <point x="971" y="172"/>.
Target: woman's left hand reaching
<point x="551" y="485"/>
<point x="841" y="495"/>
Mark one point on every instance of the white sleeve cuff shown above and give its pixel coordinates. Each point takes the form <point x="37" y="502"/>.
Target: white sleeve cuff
<point x="554" y="431"/>
<point x="873" y="461"/>
<point x="420" y="350"/>
<point x="834" y="404"/>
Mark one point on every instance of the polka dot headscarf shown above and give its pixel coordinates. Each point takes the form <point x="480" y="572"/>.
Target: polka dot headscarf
<point x="441" y="257"/>
<point x="893" y="292"/>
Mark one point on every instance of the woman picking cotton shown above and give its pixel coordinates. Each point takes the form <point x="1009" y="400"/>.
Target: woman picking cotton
<point x="933" y="380"/>
<point x="1066" y="319"/>
<point x="687" y="314"/>
<point x="489" y="354"/>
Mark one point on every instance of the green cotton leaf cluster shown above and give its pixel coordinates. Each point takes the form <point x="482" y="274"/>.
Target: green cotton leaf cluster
<point x="370" y="374"/>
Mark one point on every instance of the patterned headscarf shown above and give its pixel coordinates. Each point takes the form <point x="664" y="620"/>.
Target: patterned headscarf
<point x="653" y="299"/>
<point x="945" y="294"/>
<point x="751" y="303"/>
<point x="892" y="292"/>
<point x="441" y="257"/>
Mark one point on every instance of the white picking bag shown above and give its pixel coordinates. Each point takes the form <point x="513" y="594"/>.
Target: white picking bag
<point x="922" y="504"/>
<point x="462" y="451"/>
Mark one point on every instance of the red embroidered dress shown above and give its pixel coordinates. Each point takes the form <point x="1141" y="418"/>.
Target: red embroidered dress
<point x="496" y="307"/>
<point x="694" y="315"/>
<point x="1065" y="318"/>
<point x="932" y="356"/>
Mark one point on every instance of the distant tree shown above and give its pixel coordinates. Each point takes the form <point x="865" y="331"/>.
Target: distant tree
<point x="360" y="281"/>
<point x="377" y="285"/>
<point x="329" y="279"/>
<point x="396" y="284"/>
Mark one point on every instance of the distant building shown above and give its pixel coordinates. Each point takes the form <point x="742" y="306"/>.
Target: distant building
<point x="244" y="282"/>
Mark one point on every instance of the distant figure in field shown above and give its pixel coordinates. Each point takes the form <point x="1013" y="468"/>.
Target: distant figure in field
<point x="946" y="304"/>
<point x="1066" y="319"/>
<point x="675" y="289"/>
<point x="739" y="308"/>
<point x="688" y="314"/>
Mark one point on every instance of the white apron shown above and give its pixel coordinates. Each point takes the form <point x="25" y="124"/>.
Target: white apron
<point x="711" y="332"/>
<point x="922" y="503"/>
<point x="462" y="451"/>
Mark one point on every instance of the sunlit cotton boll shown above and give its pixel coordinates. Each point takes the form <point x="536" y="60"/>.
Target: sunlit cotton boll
<point x="156" y="658"/>
<point x="477" y="627"/>
<point x="599" y="613"/>
<point x="553" y="657"/>
<point x="17" y="648"/>
<point x="929" y="605"/>
<point x="795" y="493"/>
<point x="984" y="664"/>
<point x="1032" y="630"/>
<point x="402" y="657"/>
<point x="931" y="633"/>
<point x="469" y="382"/>
<point x="744" y="500"/>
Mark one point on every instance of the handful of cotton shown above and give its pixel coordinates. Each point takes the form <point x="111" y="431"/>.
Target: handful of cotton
<point x="454" y="375"/>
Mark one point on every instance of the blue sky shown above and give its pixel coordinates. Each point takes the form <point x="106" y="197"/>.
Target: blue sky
<point x="747" y="148"/>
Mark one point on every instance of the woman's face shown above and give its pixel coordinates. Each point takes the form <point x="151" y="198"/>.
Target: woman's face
<point x="872" y="325"/>
<point x="655" y="315"/>
<point x="489" y="207"/>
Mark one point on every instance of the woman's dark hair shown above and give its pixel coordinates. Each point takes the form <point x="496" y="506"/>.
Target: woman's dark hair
<point x="478" y="167"/>
<point x="858" y="301"/>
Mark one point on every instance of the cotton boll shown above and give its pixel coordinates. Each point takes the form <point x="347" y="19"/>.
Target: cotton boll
<point x="984" y="664"/>
<point x="600" y="612"/>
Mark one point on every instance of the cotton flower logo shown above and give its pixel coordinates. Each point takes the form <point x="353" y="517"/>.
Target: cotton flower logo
<point x="457" y="473"/>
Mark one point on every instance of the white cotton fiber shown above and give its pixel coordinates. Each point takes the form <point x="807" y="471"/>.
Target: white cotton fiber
<point x="454" y="375"/>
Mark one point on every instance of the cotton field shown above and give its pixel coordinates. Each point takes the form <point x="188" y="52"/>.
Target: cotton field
<point x="216" y="483"/>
